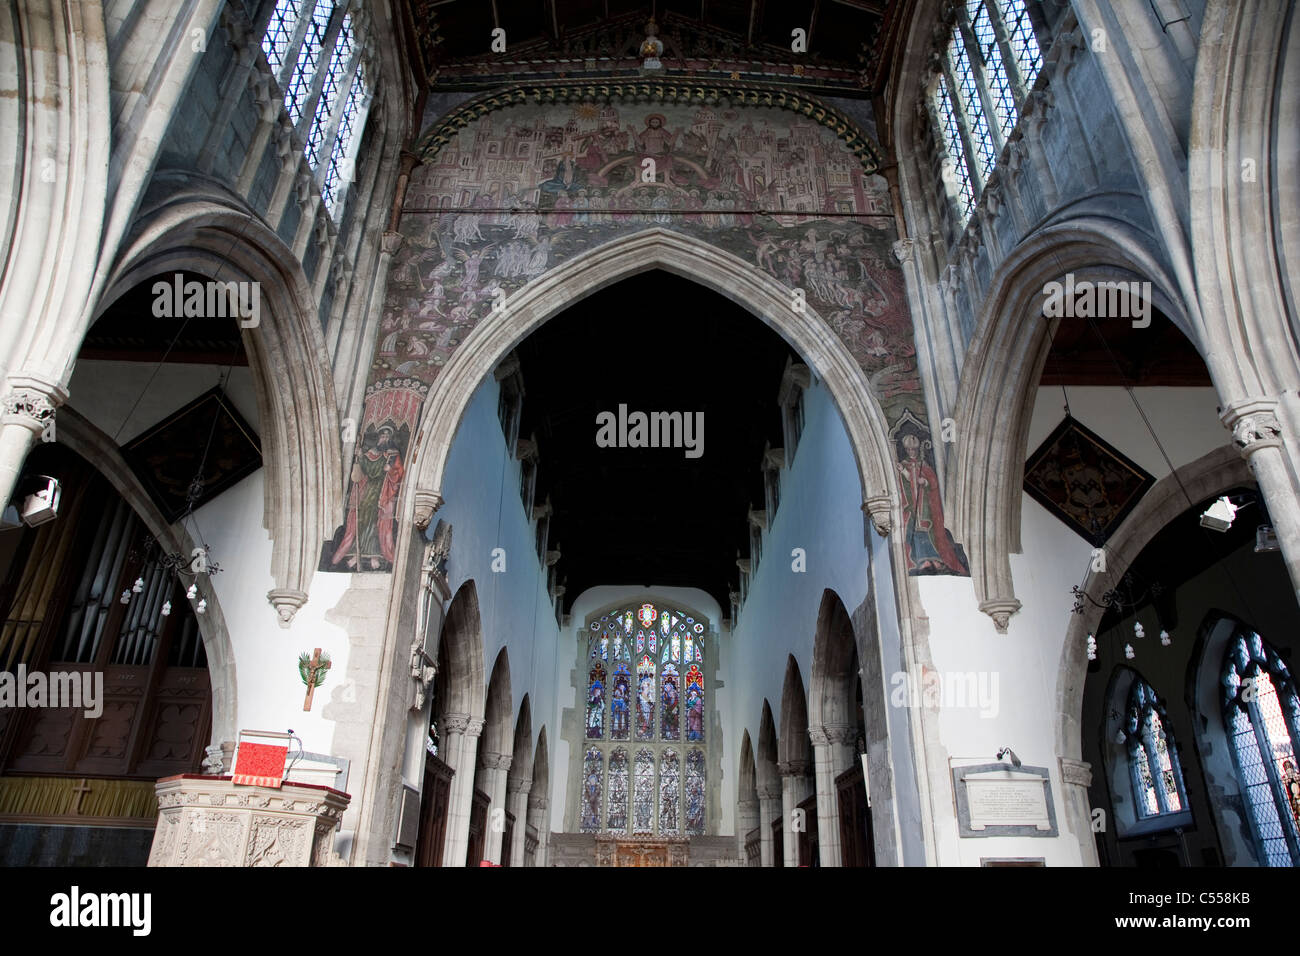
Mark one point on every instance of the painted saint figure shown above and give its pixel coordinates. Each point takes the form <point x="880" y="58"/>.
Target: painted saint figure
<point x="929" y="546"/>
<point x="376" y="478"/>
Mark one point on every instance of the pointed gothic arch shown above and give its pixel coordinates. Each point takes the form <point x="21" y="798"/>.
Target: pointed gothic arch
<point x="1002" y="369"/>
<point x="1167" y="499"/>
<point x="286" y="353"/>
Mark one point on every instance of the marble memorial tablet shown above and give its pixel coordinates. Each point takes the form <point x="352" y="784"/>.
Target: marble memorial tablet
<point x="1001" y="800"/>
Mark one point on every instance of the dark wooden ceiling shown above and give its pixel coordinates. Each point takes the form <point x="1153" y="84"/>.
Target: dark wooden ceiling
<point x="1113" y="352"/>
<point x="723" y="39"/>
<point x="652" y="516"/>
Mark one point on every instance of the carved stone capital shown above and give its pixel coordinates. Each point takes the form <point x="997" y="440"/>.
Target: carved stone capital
<point x="537" y="801"/>
<point x="426" y="503"/>
<point x="517" y="785"/>
<point x="1254" y="426"/>
<point x="459" y="724"/>
<point x="286" y="602"/>
<point x="904" y="249"/>
<point x="491" y="760"/>
<point x="769" y="793"/>
<point x="878" y="508"/>
<point x="1077" y="772"/>
<point x="794" y="768"/>
<point x="31" y="403"/>
<point x="391" y="242"/>
<point x="818" y="736"/>
<point x="1000" y="611"/>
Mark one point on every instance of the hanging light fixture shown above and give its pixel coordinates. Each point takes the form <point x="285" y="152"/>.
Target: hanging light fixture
<point x="1138" y="631"/>
<point x="1128" y="651"/>
<point x="1165" y="639"/>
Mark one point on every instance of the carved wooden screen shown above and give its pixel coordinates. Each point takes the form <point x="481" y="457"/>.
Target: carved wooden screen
<point x="857" y="847"/>
<point x="433" y="811"/>
<point x="62" y="614"/>
<point x="807" y="838"/>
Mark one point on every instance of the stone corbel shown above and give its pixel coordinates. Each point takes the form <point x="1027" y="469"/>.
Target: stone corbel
<point x="552" y="557"/>
<point x="286" y="602"/>
<point x="758" y="519"/>
<point x="1064" y="53"/>
<point x="794" y="768"/>
<point x="391" y="242"/>
<point x="1038" y="104"/>
<point x="426" y="503"/>
<point x="423" y="671"/>
<point x="879" y="509"/>
<point x="525" y="449"/>
<point x="1000" y="610"/>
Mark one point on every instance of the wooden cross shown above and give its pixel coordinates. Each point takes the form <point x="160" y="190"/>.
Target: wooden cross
<point x="81" y="789"/>
<point x="314" y="668"/>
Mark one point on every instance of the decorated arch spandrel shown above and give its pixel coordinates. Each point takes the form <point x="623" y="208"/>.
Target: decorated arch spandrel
<point x="515" y="184"/>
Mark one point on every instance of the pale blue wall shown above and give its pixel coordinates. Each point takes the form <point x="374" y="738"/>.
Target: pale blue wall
<point x="482" y="503"/>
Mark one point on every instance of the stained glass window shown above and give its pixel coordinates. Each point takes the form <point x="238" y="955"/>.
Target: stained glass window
<point x="645" y="699"/>
<point x="646" y="682"/>
<point x="671" y="702"/>
<point x="1153" y="758"/>
<point x="596" y="702"/>
<point x="592" y="782"/>
<point x="617" y="820"/>
<point x="618" y="704"/>
<point x="695" y="796"/>
<point x="1262" y="716"/>
<point x="670" y="787"/>
<point x="643" y="796"/>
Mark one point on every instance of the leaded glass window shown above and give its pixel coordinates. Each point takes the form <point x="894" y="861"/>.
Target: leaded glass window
<point x="646" y="683"/>
<point x="991" y="60"/>
<point x="1262" y="716"/>
<point x="1153" y="759"/>
<point x="321" y="72"/>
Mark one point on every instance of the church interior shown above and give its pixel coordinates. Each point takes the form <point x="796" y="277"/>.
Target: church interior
<point x="712" y="433"/>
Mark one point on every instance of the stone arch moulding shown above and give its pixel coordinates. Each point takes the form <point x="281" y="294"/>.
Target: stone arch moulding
<point x="83" y="438"/>
<point x="1002" y="369"/>
<point x="301" y="448"/>
<point x="1168" y="498"/>
<point x="529" y="308"/>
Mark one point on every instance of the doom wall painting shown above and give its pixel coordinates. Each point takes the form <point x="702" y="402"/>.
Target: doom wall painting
<point x="521" y="189"/>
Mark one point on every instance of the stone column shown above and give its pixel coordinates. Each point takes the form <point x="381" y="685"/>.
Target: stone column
<point x="1077" y="776"/>
<point x="769" y="805"/>
<point x="747" y="818"/>
<point x="1258" y="434"/>
<point x="795" y="785"/>
<point x="460" y="745"/>
<point x="495" y="767"/>
<point x="537" y="818"/>
<point x="517" y="804"/>
<point x="27" y="410"/>
<point x="832" y="755"/>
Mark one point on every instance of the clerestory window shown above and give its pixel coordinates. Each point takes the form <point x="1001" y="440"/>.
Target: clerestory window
<point x="989" y="64"/>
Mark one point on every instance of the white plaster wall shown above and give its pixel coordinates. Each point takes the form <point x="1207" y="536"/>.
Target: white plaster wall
<point x="270" y="690"/>
<point x="482" y="503"/>
<point x="1025" y="661"/>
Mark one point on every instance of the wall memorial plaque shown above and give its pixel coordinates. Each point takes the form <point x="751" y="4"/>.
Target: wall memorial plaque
<point x="997" y="799"/>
